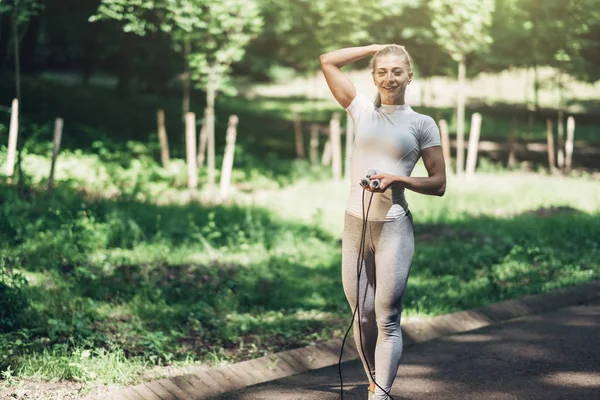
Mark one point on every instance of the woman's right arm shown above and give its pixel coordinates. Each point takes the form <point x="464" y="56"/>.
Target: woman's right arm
<point x="340" y="85"/>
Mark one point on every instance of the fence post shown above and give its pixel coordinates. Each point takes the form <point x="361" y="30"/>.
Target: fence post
<point x="58" y="127"/>
<point x="190" y="142"/>
<point x="445" y="136"/>
<point x="336" y="146"/>
<point x="473" y="144"/>
<point x="202" y="142"/>
<point x="326" y="160"/>
<point x="299" y="136"/>
<point x="569" y="145"/>
<point x="550" y="145"/>
<point x="314" y="143"/>
<point x="349" y="146"/>
<point x="560" y="130"/>
<point x="162" y="137"/>
<point x="228" y="157"/>
<point x="512" y="144"/>
<point x="12" y="138"/>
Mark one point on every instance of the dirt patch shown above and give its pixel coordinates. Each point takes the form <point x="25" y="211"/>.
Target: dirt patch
<point x="32" y="389"/>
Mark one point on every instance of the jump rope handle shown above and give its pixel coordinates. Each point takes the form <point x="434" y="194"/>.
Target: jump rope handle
<point x="368" y="182"/>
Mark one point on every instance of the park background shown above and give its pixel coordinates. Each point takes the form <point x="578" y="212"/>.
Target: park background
<point x="131" y="264"/>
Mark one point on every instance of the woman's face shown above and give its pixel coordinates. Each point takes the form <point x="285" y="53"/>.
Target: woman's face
<point x="391" y="76"/>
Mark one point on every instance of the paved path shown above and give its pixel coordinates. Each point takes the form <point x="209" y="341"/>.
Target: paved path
<point x="550" y="356"/>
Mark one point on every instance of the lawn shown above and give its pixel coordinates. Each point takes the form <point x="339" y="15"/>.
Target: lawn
<point x="124" y="284"/>
<point x="123" y="276"/>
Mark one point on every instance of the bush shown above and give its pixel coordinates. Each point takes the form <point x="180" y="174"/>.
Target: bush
<point x="13" y="301"/>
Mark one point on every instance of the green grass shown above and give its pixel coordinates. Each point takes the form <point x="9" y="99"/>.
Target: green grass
<point x="122" y="283"/>
<point x="123" y="273"/>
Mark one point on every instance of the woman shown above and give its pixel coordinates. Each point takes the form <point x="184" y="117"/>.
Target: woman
<point x="390" y="138"/>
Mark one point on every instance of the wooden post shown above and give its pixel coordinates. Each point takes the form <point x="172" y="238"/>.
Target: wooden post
<point x="202" y="142"/>
<point x="228" y="157"/>
<point x="550" y="143"/>
<point x="445" y="143"/>
<point x="299" y="136"/>
<point x="210" y="147"/>
<point x="58" y="127"/>
<point x="349" y="146"/>
<point x="314" y="143"/>
<point x="12" y="138"/>
<point x="512" y="144"/>
<point x="560" y="130"/>
<point x="569" y="144"/>
<point x="473" y="144"/>
<point x="190" y="144"/>
<point x="162" y="137"/>
<point x="326" y="160"/>
<point x="209" y="120"/>
<point x="336" y="145"/>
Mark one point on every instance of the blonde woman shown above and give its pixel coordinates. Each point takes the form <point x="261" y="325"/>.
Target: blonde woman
<point x="390" y="138"/>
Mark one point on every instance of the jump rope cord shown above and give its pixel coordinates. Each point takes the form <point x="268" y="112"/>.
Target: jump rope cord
<point x="361" y="253"/>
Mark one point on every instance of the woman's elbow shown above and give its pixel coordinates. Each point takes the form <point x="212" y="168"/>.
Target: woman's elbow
<point x="442" y="189"/>
<point x="323" y="59"/>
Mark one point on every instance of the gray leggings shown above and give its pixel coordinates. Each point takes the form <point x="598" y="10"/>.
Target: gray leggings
<point x="389" y="248"/>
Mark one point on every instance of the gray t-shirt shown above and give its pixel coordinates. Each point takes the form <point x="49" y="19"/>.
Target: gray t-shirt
<point x="388" y="139"/>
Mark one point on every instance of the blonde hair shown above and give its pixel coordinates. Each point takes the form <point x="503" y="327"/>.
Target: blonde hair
<point x="393" y="49"/>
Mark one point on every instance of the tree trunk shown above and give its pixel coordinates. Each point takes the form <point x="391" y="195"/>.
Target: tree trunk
<point x="186" y="77"/>
<point x="30" y="41"/>
<point x="460" y="118"/>
<point x="211" y="94"/>
<point x="21" y="182"/>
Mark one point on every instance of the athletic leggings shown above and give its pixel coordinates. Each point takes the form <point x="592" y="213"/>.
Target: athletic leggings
<point x="389" y="248"/>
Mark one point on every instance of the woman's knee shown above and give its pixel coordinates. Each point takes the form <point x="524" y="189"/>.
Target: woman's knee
<point x="388" y="319"/>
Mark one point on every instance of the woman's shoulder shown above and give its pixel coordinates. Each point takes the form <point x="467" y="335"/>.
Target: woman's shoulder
<point x="423" y="120"/>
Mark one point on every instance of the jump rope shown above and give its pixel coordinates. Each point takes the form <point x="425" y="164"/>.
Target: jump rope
<point x="374" y="184"/>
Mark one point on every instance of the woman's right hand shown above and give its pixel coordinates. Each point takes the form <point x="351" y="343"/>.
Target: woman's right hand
<point x="378" y="47"/>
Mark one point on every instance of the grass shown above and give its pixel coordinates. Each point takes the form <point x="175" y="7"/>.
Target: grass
<point x="121" y="284"/>
<point x="122" y="275"/>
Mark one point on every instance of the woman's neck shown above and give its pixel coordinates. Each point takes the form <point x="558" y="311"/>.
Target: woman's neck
<point x="393" y="101"/>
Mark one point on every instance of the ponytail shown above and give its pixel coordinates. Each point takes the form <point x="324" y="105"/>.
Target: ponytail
<point x="377" y="101"/>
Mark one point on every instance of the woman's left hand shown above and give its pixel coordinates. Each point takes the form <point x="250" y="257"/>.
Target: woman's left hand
<point x="387" y="180"/>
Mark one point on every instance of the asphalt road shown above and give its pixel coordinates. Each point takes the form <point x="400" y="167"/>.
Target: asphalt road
<point x="549" y="356"/>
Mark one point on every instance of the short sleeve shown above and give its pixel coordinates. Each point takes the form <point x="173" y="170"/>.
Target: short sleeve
<point x="359" y="106"/>
<point x="429" y="134"/>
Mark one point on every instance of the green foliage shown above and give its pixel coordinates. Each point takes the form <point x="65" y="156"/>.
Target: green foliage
<point x="13" y="301"/>
<point x="218" y="31"/>
<point x="24" y="9"/>
<point x="461" y="27"/>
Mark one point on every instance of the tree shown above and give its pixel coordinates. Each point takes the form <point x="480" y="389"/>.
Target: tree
<point x="21" y="12"/>
<point x="461" y="28"/>
<point x="212" y="34"/>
